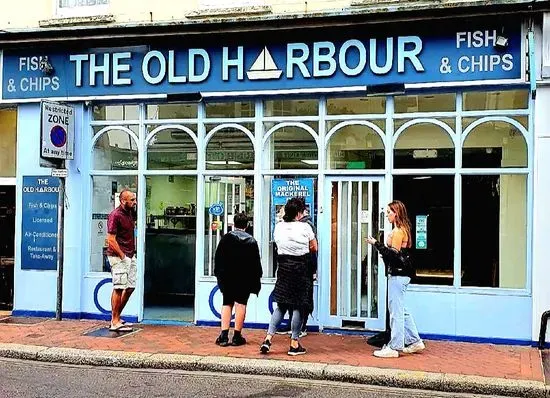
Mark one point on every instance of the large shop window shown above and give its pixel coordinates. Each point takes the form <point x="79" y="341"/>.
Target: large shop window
<point x="8" y="139"/>
<point x="105" y="190"/>
<point x="494" y="230"/>
<point x="430" y="203"/>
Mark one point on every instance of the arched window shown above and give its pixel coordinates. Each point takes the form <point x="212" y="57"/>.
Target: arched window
<point x="230" y="147"/>
<point x="494" y="144"/>
<point x="115" y="148"/>
<point x="424" y="144"/>
<point x="172" y="148"/>
<point x="291" y="146"/>
<point x="355" y="146"/>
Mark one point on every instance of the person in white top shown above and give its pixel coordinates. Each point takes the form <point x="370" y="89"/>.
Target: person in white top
<point x="294" y="240"/>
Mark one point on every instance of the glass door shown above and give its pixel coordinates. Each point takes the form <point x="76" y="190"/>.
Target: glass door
<point x="355" y="295"/>
<point x="225" y="197"/>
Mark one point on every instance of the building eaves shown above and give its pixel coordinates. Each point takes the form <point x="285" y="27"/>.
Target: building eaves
<point x="361" y="11"/>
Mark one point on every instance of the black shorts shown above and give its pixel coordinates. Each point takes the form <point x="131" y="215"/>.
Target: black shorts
<point x="229" y="298"/>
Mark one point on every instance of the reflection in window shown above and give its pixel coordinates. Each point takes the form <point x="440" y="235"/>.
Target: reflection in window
<point x="425" y="103"/>
<point x="105" y="192"/>
<point x="115" y="150"/>
<point x="236" y="195"/>
<point x="494" y="144"/>
<point x="430" y="199"/>
<point x="355" y="147"/>
<point x="494" y="231"/>
<point x="230" y="109"/>
<point x="171" y="149"/>
<point x="495" y="100"/>
<point x="172" y="111"/>
<point x="287" y="107"/>
<point x="356" y="106"/>
<point x="422" y="146"/>
<point x="291" y="147"/>
<point x="116" y="112"/>
<point x="230" y="149"/>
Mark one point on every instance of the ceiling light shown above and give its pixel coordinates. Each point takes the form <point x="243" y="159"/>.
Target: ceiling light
<point x="422" y="178"/>
<point x="311" y="161"/>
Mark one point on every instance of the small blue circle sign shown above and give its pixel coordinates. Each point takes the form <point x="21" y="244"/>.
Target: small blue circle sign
<point x="216" y="209"/>
<point x="58" y="136"/>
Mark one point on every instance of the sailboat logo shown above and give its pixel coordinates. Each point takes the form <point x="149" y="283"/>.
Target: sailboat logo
<point x="264" y="67"/>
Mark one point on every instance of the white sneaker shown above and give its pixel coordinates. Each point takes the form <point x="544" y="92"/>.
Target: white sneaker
<point x="414" y="347"/>
<point x="386" y="352"/>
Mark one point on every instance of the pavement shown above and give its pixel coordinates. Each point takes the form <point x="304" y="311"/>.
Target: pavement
<point x="444" y="366"/>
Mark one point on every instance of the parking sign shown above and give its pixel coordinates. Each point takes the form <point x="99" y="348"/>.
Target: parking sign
<point x="57" y="131"/>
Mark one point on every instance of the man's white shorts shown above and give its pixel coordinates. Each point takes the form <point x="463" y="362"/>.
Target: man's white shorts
<point x="124" y="272"/>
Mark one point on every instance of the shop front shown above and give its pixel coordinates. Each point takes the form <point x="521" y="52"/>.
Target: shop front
<point x="441" y="120"/>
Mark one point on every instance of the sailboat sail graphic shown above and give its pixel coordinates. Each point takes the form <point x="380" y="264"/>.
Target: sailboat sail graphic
<point x="264" y="67"/>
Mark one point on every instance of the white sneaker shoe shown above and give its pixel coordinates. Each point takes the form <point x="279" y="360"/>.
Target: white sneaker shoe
<point x="386" y="352"/>
<point x="414" y="347"/>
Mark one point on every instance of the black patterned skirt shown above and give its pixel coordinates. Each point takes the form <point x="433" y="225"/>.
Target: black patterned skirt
<point x="294" y="282"/>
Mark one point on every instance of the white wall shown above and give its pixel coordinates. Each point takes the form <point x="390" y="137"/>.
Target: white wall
<point x="541" y="211"/>
<point x="36" y="290"/>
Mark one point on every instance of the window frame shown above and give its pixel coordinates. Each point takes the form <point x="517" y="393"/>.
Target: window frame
<point x="321" y="172"/>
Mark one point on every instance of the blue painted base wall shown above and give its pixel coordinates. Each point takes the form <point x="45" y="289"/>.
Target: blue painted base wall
<point x="71" y="315"/>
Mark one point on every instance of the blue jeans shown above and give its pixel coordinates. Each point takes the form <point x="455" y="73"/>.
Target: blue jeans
<point x="403" y="328"/>
<point x="277" y="317"/>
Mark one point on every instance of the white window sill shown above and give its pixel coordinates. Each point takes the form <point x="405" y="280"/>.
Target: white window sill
<point x="229" y="12"/>
<point x="70" y="21"/>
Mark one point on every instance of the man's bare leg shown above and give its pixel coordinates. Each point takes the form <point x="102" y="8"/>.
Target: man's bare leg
<point x="240" y="314"/>
<point x="126" y="293"/>
<point x="116" y="309"/>
<point x="226" y="316"/>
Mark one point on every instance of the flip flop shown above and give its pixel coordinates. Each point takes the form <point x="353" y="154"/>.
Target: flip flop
<point x="120" y="328"/>
<point x="129" y="324"/>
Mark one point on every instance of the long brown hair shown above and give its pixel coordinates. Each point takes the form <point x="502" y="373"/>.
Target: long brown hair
<point x="402" y="218"/>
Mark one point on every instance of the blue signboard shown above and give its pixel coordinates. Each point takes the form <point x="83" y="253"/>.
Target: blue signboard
<point x="216" y="209"/>
<point x="39" y="226"/>
<point x="283" y="189"/>
<point x="359" y="59"/>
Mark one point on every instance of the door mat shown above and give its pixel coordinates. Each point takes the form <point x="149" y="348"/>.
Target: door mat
<point x="105" y="332"/>
<point x="22" y="320"/>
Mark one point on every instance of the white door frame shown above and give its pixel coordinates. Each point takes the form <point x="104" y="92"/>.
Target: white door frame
<point x="335" y="321"/>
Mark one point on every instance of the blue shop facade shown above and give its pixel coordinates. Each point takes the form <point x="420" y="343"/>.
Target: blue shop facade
<point x="349" y="117"/>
